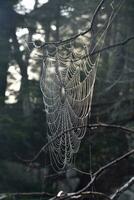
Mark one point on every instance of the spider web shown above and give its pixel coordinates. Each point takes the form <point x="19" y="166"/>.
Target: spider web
<point x="67" y="83"/>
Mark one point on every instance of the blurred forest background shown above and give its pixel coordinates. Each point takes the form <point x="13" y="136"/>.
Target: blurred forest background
<point x="22" y="117"/>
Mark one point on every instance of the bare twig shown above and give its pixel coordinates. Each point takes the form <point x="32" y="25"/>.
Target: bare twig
<point x="107" y="166"/>
<point x="77" y="35"/>
<point x="79" y="194"/>
<point x="25" y="194"/>
<point x="129" y="153"/>
<point x="113" y="45"/>
<point x="119" y="44"/>
<point x="122" y="43"/>
<point x="88" y="194"/>
<point x="91" y="126"/>
<point x="95" y="13"/>
<point x="75" y="195"/>
<point x="126" y="186"/>
<point x="96" y="174"/>
<point x="114" y="126"/>
<point x="85" y="194"/>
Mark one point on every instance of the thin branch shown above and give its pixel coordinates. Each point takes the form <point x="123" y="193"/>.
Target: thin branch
<point x="77" y="35"/>
<point x="122" y="43"/>
<point x="126" y="186"/>
<point x="129" y="153"/>
<point x="86" y="31"/>
<point x="75" y="195"/>
<point x="107" y="166"/>
<point x="88" y="194"/>
<point x="95" y="13"/>
<point x="80" y="194"/>
<point x="103" y="125"/>
<point x="91" y="126"/>
<point x="96" y="174"/>
<point x="113" y="45"/>
<point x="25" y="194"/>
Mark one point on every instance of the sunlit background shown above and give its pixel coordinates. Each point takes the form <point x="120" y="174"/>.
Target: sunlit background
<point x="14" y="77"/>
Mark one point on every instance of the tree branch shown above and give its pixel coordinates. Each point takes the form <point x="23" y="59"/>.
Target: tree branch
<point x="122" y="43"/>
<point x="113" y="45"/>
<point x="126" y="186"/>
<point x="25" y="194"/>
<point x="97" y="173"/>
<point x="86" y="31"/>
<point x="95" y="13"/>
<point x="75" y="195"/>
<point x="85" y="194"/>
<point x="82" y="193"/>
<point x="107" y="166"/>
<point x="91" y="126"/>
<point x="77" y="35"/>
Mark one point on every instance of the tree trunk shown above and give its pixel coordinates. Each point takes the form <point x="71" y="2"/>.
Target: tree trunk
<point x="24" y="90"/>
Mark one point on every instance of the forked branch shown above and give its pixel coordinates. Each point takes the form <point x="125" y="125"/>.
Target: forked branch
<point x="77" y="35"/>
<point x="105" y="167"/>
<point x="85" y="192"/>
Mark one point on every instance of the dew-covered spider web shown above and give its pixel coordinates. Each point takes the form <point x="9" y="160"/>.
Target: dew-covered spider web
<point x="67" y="83"/>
